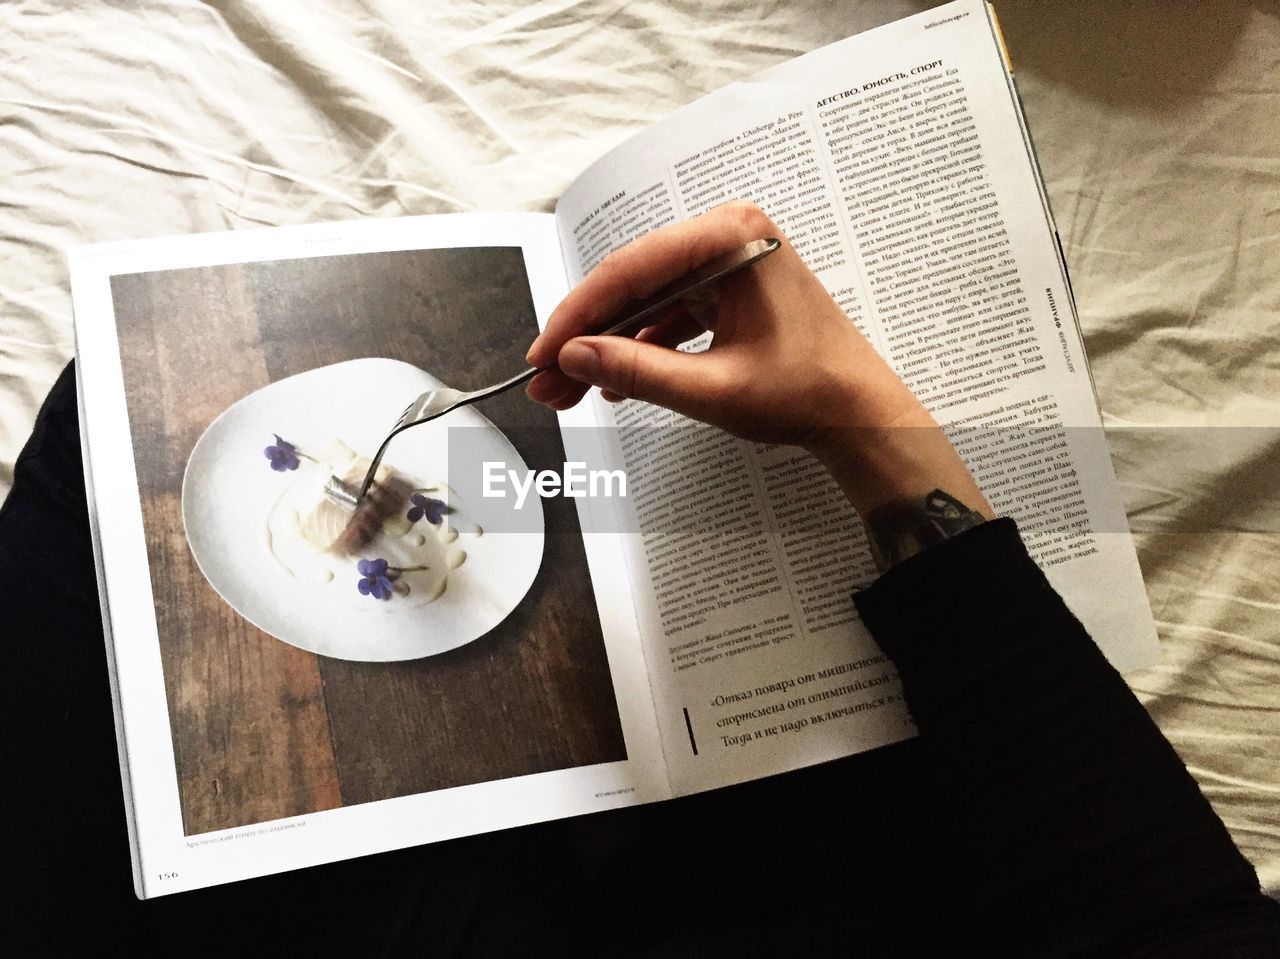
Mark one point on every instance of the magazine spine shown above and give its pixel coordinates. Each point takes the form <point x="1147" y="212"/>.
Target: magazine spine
<point x="1033" y="159"/>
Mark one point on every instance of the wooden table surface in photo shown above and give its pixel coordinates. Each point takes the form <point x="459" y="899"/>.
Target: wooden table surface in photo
<point x="263" y="730"/>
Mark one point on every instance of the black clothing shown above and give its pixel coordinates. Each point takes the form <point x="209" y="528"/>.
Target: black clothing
<point x="1039" y="813"/>
<point x="1076" y="823"/>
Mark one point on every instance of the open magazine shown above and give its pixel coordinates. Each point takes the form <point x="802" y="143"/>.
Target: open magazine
<point x="289" y="692"/>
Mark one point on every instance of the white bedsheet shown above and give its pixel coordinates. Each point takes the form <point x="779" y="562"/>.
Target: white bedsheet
<point x="1158" y="126"/>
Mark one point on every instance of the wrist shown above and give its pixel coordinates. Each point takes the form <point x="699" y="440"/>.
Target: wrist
<point x="853" y="401"/>
<point x="892" y="460"/>
<point x="903" y="528"/>
<point x="881" y="454"/>
<point x="907" y="484"/>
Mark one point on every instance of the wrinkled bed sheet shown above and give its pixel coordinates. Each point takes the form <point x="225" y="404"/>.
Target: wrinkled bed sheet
<point x="1158" y="127"/>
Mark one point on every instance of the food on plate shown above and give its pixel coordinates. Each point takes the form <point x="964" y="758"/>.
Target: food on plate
<point x="334" y="527"/>
<point x="398" y="545"/>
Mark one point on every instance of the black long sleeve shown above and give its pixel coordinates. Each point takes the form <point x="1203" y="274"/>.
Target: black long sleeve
<point x="1079" y="827"/>
<point x="1037" y="774"/>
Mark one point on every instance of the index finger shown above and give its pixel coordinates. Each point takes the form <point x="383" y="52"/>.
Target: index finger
<point x="644" y="266"/>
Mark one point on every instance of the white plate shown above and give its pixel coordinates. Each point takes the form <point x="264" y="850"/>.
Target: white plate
<point x="229" y="489"/>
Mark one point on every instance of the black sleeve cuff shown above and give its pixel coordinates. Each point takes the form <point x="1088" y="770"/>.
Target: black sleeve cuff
<point x="1077" y="823"/>
<point x="957" y="600"/>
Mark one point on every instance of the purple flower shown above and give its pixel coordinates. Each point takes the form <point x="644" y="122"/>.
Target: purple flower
<point x="433" y="509"/>
<point x="375" y="581"/>
<point x="283" y="455"/>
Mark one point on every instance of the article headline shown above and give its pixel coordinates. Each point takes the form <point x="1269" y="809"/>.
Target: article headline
<point x="891" y="78"/>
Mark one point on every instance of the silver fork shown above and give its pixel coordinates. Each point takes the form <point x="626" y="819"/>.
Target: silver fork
<point x="434" y="404"/>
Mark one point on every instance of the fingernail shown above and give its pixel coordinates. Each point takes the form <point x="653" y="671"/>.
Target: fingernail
<point x="580" y="361"/>
<point x="533" y="348"/>
<point x="538" y="392"/>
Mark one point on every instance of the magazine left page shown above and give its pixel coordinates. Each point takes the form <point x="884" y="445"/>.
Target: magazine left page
<point x="293" y="686"/>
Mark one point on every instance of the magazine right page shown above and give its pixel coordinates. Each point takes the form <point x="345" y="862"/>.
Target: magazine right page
<point x="897" y="164"/>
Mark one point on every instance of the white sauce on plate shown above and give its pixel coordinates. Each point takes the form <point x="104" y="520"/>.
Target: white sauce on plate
<point x="424" y="554"/>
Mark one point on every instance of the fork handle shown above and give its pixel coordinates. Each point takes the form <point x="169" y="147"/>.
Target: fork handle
<point x="710" y="272"/>
<point x="699" y="278"/>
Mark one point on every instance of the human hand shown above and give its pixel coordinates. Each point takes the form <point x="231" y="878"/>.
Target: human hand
<point x="784" y="359"/>
<point x="785" y="364"/>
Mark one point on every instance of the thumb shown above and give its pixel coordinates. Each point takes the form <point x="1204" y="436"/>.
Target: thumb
<point x="684" y="382"/>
